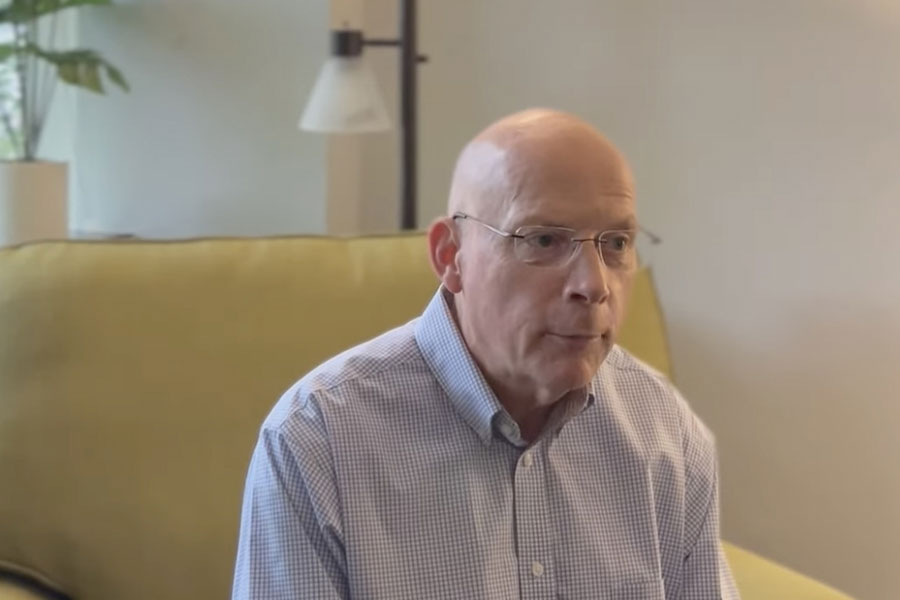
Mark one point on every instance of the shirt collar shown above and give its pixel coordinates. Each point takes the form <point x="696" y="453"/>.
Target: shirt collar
<point x="443" y="348"/>
<point x="448" y="357"/>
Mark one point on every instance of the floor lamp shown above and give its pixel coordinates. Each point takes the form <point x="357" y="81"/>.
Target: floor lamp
<point x="345" y="98"/>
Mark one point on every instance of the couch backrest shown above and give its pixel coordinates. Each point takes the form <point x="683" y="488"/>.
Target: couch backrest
<point x="134" y="377"/>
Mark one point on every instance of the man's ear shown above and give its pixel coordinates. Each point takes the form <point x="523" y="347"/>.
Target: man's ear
<point x="443" y="250"/>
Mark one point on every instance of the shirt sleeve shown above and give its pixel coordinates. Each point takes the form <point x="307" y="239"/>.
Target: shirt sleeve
<point x="706" y="574"/>
<point x="291" y="539"/>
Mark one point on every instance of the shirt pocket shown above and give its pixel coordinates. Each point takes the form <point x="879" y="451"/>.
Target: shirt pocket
<point x="647" y="589"/>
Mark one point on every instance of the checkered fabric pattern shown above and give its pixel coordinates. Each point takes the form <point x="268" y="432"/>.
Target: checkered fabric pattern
<point x="391" y="471"/>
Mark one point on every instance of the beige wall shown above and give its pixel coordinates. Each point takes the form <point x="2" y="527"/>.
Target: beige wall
<point x="765" y="137"/>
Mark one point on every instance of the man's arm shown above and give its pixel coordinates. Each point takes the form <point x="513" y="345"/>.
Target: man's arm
<point x="291" y="537"/>
<point x="706" y="574"/>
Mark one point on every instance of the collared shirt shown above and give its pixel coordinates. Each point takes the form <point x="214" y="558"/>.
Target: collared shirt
<point x="392" y="471"/>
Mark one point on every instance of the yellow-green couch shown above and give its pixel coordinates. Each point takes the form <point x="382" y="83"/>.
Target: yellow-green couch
<point x="134" y="377"/>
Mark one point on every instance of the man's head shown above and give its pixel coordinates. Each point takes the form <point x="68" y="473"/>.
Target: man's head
<point x="538" y="322"/>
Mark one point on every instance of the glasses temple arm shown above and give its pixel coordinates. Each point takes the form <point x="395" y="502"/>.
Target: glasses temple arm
<point x="654" y="239"/>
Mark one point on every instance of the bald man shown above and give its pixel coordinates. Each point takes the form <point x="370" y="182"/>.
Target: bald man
<point x="501" y="445"/>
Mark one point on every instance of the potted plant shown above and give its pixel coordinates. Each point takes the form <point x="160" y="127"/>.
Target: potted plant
<point x="33" y="203"/>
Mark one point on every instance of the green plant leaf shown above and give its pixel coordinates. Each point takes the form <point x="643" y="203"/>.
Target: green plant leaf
<point x="68" y="73"/>
<point x="91" y="78"/>
<point x="116" y="77"/>
<point x="23" y="11"/>
<point x="81" y="67"/>
<point x="6" y="50"/>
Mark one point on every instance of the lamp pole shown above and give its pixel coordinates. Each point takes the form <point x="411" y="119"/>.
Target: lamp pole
<point x="409" y="59"/>
<point x="331" y="108"/>
<point x="408" y="110"/>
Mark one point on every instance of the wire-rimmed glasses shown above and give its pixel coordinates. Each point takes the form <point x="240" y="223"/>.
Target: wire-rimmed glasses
<point x="547" y="246"/>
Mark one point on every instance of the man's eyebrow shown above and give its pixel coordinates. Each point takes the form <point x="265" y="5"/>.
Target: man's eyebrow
<point x="626" y="223"/>
<point x="534" y="222"/>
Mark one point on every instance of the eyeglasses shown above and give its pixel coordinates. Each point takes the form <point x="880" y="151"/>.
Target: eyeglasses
<point x="548" y="246"/>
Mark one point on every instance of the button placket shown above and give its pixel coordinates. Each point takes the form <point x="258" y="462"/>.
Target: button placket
<point x="533" y="528"/>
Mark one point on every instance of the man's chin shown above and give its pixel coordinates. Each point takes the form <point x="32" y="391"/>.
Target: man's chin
<point x="577" y="377"/>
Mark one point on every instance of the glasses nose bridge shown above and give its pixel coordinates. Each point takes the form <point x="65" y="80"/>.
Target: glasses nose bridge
<point x="595" y="242"/>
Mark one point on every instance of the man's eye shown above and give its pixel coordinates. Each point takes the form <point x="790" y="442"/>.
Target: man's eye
<point x="545" y="240"/>
<point x="618" y="242"/>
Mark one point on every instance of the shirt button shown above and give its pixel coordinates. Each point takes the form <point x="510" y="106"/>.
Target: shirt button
<point x="528" y="460"/>
<point x="537" y="569"/>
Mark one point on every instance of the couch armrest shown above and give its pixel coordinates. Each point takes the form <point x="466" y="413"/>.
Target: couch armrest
<point x="760" y="579"/>
<point x="14" y="591"/>
<point x="17" y="583"/>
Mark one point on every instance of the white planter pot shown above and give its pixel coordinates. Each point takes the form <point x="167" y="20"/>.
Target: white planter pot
<point x="33" y="201"/>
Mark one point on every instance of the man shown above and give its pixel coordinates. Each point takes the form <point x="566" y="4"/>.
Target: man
<point x="501" y="445"/>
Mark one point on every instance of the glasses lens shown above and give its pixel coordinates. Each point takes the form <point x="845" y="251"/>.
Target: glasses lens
<point x="618" y="249"/>
<point x="543" y="245"/>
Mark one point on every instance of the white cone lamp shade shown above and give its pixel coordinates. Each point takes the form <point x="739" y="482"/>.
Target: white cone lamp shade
<point x="345" y="99"/>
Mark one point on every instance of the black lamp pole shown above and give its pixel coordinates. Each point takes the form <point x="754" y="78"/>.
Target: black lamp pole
<point x="350" y="42"/>
<point x="408" y="103"/>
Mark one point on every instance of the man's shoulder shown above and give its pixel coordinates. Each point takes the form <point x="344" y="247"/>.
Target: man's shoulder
<point x="387" y="354"/>
<point x="637" y="380"/>
<point x="648" y="396"/>
<point x="380" y="363"/>
<point x="622" y="360"/>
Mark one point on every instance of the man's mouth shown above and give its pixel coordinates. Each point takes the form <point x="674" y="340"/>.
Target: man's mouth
<point x="583" y="337"/>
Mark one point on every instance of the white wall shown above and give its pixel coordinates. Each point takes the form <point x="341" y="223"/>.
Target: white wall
<point x="206" y="143"/>
<point x="765" y="137"/>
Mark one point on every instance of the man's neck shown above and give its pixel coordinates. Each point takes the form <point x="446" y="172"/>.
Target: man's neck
<point x="532" y="424"/>
<point x="530" y="411"/>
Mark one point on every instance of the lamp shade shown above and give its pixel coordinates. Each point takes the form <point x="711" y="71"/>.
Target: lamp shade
<point x="345" y="99"/>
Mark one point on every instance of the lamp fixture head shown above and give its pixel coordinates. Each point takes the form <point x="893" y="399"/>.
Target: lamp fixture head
<point x="345" y="98"/>
<point x="346" y="42"/>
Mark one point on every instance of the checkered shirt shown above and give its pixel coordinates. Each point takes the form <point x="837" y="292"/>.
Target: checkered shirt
<point x="391" y="471"/>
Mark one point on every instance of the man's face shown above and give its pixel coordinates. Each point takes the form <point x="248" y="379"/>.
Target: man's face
<point x="545" y="327"/>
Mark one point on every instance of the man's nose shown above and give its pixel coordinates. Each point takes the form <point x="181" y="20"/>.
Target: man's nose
<point x="588" y="277"/>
